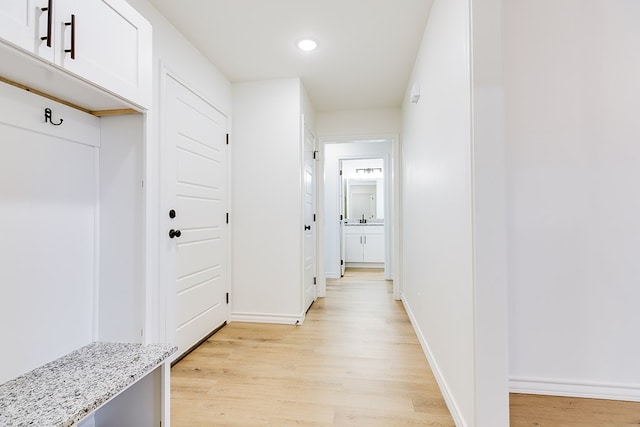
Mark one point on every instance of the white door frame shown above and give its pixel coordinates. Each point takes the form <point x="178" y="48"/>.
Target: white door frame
<point x="392" y="206"/>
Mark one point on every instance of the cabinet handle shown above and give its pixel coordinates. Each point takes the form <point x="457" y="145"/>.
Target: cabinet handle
<point x="49" y="11"/>
<point x="360" y="239"/>
<point x="72" y="51"/>
<point x="365" y="240"/>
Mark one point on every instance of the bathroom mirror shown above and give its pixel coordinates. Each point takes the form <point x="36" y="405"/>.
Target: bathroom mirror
<point x="362" y="189"/>
<point x="361" y="199"/>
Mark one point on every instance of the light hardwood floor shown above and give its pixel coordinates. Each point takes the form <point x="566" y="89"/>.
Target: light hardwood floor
<point x="550" y="411"/>
<point x="355" y="361"/>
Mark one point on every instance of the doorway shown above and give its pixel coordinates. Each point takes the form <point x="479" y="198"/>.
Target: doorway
<point x="334" y="152"/>
<point x="362" y="212"/>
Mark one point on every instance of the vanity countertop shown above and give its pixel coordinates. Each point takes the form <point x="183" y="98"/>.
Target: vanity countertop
<point x="349" y="224"/>
<point x="64" y="391"/>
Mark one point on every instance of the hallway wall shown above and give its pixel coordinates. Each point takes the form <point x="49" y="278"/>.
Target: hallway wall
<point x="573" y="103"/>
<point x="437" y="245"/>
<point x="453" y="204"/>
<point x="266" y="207"/>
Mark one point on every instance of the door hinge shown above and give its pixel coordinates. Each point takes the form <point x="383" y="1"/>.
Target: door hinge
<point x="315" y="154"/>
<point x="227" y="218"/>
<point x="340" y="172"/>
<point x="314" y="281"/>
<point x="341" y="262"/>
<point x="227" y="297"/>
<point x="340" y="217"/>
<point x="227" y="139"/>
<point x="314" y="217"/>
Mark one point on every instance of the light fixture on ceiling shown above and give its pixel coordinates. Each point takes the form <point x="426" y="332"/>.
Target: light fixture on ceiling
<point x="307" y="45"/>
<point x="368" y="170"/>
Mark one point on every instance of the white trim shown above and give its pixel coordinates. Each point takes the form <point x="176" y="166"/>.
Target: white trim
<point x="581" y="389"/>
<point x="452" y="405"/>
<point x="286" y="319"/>
<point x="96" y="244"/>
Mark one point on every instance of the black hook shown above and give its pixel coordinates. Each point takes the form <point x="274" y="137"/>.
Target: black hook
<point x="47" y="117"/>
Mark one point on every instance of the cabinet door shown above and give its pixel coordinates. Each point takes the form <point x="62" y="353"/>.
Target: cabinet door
<point x="374" y="246"/>
<point x="111" y="46"/>
<point x="24" y="23"/>
<point x="353" y="246"/>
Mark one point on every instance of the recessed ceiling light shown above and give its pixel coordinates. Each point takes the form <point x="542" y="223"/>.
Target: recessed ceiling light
<point x="307" y="45"/>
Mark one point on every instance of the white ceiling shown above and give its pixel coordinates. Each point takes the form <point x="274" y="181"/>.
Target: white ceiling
<point x="366" y="48"/>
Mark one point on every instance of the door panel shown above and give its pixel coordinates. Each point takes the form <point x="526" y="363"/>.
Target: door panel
<point x="196" y="162"/>
<point x="23" y="23"/>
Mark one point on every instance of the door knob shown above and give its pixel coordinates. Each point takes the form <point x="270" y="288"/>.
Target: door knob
<point x="175" y="233"/>
<point x="307" y="227"/>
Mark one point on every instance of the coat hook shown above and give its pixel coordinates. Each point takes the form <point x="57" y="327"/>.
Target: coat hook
<point x="47" y="117"/>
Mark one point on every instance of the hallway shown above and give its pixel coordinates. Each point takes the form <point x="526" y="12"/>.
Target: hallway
<point x="354" y="362"/>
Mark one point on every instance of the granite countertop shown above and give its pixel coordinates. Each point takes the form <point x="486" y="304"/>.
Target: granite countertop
<point x="64" y="391"/>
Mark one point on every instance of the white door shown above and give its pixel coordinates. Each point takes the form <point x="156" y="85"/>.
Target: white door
<point x="341" y="203"/>
<point x="353" y="242"/>
<point x="373" y="248"/>
<point x="309" y="220"/>
<point x="196" y="232"/>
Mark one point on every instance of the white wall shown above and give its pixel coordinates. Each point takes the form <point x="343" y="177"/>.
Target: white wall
<point x="266" y="217"/>
<point x="453" y="200"/>
<point x="171" y="53"/>
<point x="359" y="122"/>
<point x="573" y="103"/>
<point x="121" y="294"/>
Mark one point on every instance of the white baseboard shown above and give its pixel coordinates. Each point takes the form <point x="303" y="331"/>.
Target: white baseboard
<point x="285" y="319"/>
<point x="456" y="414"/>
<point x="590" y="390"/>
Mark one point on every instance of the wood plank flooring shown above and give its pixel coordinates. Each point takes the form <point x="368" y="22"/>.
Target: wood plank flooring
<point x="354" y="362"/>
<point x="552" y="411"/>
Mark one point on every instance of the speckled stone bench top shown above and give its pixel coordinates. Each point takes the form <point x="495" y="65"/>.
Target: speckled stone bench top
<point x="64" y="391"/>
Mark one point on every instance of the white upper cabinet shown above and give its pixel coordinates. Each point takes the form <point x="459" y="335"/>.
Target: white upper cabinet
<point x="25" y="24"/>
<point x="108" y="43"/>
<point x="105" y="42"/>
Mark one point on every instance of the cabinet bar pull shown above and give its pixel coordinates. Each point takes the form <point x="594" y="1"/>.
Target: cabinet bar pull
<point x="360" y="239"/>
<point x="365" y="240"/>
<point x="49" y="11"/>
<point x="72" y="51"/>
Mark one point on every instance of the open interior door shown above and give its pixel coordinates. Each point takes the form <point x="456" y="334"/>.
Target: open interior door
<point x="341" y="203"/>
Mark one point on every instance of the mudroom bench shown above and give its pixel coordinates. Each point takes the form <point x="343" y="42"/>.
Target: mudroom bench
<point x="99" y="384"/>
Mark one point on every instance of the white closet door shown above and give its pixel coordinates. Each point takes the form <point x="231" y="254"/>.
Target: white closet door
<point x="309" y="236"/>
<point x="47" y="218"/>
<point x="196" y="165"/>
